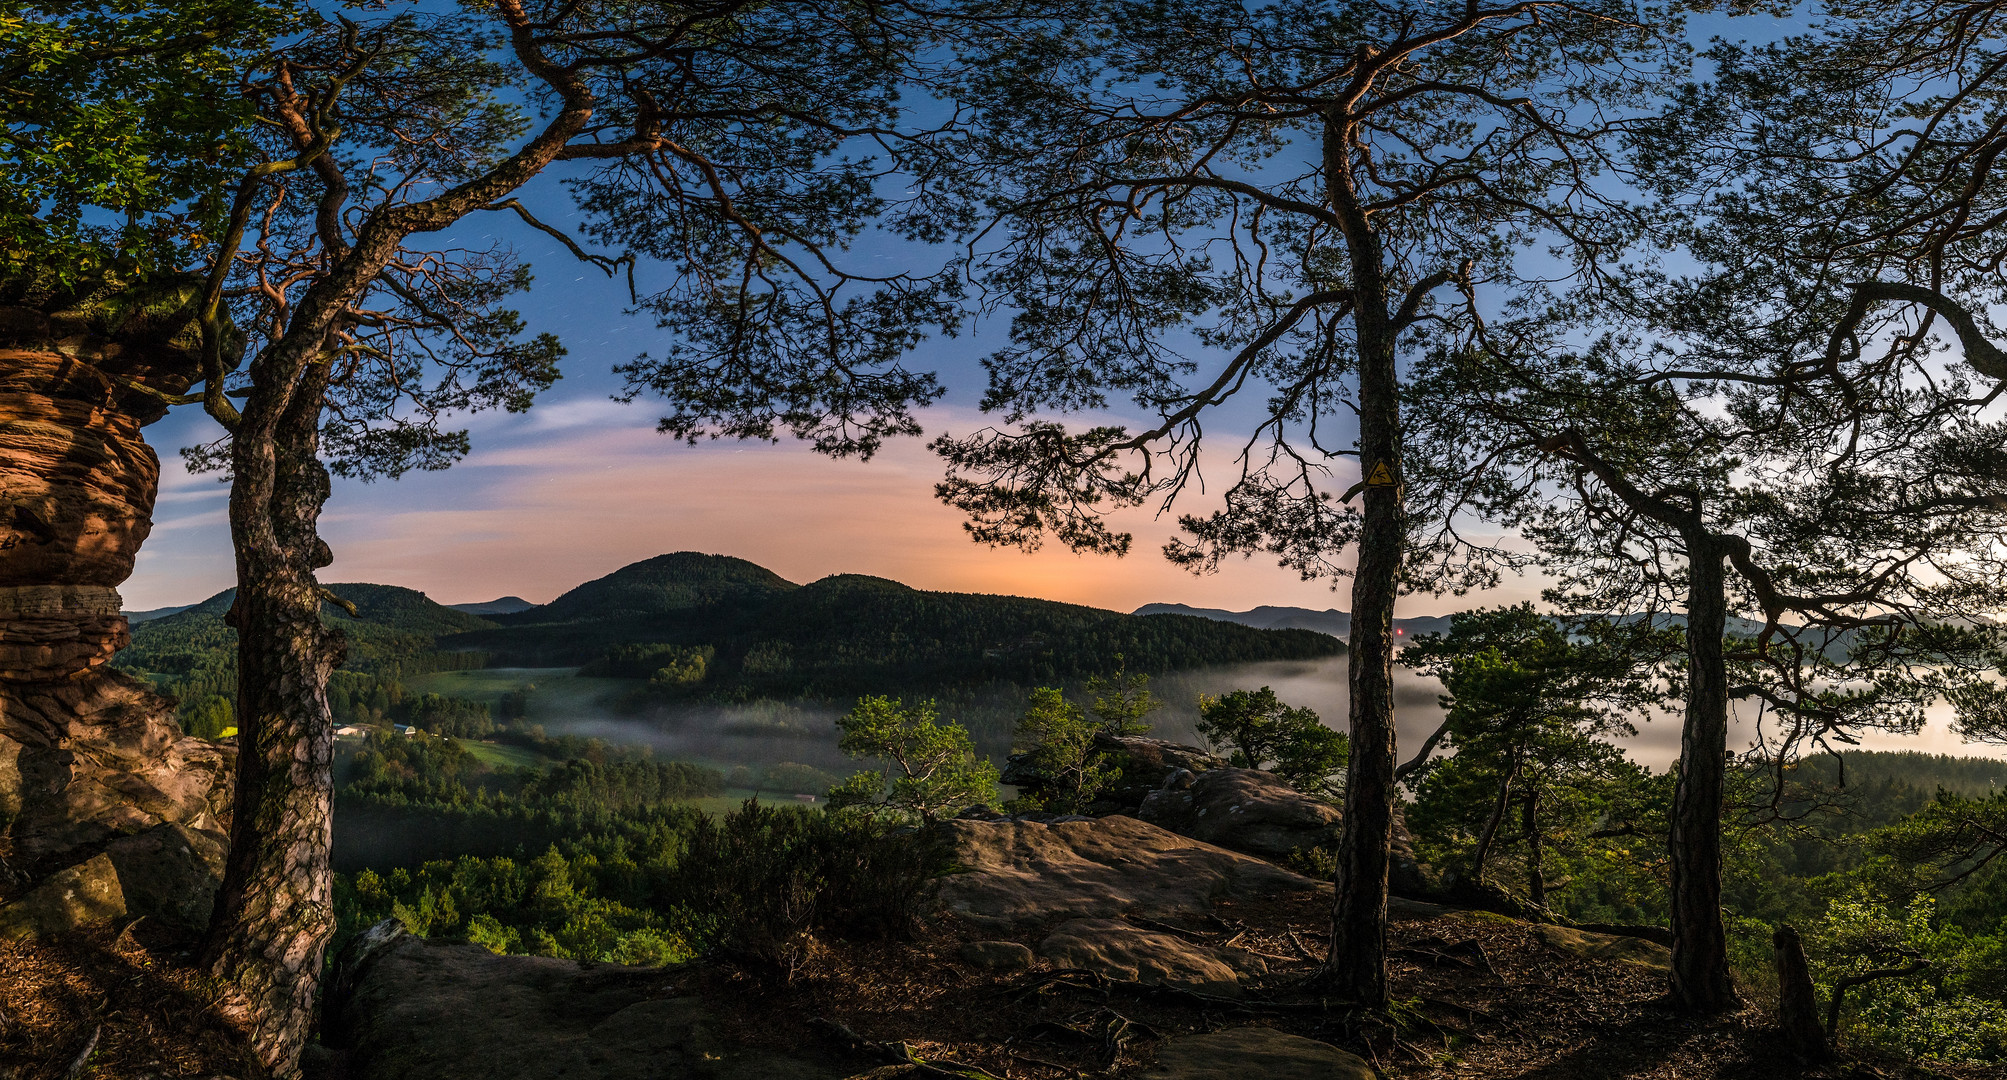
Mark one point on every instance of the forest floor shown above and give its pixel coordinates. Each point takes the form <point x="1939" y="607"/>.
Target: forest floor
<point x="1477" y="996"/>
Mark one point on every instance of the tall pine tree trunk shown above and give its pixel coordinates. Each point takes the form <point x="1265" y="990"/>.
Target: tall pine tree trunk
<point x="1536" y="874"/>
<point x="1357" y="968"/>
<point x="1700" y="981"/>
<point x="274" y="913"/>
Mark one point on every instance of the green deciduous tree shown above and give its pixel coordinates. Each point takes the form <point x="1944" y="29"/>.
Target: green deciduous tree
<point x="1058" y="742"/>
<point x="927" y="768"/>
<point x="1260" y="731"/>
<point x="1122" y="700"/>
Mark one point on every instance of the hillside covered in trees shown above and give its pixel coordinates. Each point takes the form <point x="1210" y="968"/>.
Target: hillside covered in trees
<point x="711" y="627"/>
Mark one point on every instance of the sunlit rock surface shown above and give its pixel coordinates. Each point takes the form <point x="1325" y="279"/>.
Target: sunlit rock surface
<point x="1024" y="872"/>
<point x="86" y="754"/>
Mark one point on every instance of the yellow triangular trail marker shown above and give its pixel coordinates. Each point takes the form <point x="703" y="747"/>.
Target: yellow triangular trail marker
<point x="1381" y="476"/>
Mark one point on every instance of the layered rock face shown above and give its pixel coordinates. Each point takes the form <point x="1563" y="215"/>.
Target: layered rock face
<point x="86" y="753"/>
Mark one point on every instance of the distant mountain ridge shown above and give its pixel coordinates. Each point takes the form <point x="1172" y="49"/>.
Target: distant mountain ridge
<point x="1329" y="621"/>
<point x="761" y="634"/>
<point x="853" y="633"/>
<point x="506" y="605"/>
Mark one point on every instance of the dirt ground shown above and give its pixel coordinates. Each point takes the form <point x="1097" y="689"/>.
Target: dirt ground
<point x="1476" y="996"/>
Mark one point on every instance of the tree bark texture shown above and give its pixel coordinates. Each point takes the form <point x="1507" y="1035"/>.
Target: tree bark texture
<point x="86" y="753"/>
<point x="1536" y="874"/>
<point x="1357" y="968"/>
<point x="1700" y="980"/>
<point x="1797" y="1001"/>
<point x="274" y="913"/>
<point x="1481" y="858"/>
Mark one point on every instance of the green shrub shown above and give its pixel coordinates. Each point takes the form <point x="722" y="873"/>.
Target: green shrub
<point x="759" y="884"/>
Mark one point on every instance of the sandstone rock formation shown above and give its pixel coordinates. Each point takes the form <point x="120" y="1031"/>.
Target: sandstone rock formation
<point x="1024" y="872"/>
<point x="86" y="754"/>
<point x="1120" y="951"/>
<point x="1594" y="946"/>
<point x="1245" y="810"/>
<point x="406" y="1008"/>
<point x="68" y="899"/>
<point x="171" y="873"/>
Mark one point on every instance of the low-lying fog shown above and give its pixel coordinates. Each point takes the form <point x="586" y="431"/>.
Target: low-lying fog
<point x="768" y="733"/>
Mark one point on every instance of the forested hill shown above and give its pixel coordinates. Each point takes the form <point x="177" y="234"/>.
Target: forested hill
<point x="191" y="655"/>
<point x="850" y="634"/>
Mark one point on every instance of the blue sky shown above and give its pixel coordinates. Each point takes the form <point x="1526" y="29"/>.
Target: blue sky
<point x="582" y="485"/>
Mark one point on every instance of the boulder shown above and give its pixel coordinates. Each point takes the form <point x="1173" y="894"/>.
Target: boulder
<point x="1240" y="1053"/>
<point x="170" y="873"/>
<point x="1254" y="811"/>
<point x="1244" y="810"/>
<point x="1145" y="764"/>
<point x="90" y="758"/>
<point x="407" y="1008"/>
<point x="998" y="955"/>
<point x="1121" y="951"/>
<point x="66" y="900"/>
<point x="1023" y="872"/>
<point x="1635" y="950"/>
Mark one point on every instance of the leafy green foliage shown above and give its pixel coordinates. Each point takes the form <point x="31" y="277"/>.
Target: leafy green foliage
<point x="669" y="665"/>
<point x="122" y="130"/>
<point x="1528" y="705"/>
<point x="584" y="906"/>
<point x="763" y="880"/>
<point x="1058" y="741"/>
<point x="1943" y="993"/>
<point x="1122" y="700"/>
<point x="1259" y="731"/>
<point x="926" y="768"/>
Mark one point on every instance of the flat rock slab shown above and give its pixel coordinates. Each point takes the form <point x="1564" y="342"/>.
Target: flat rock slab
<point x="1025" y="872"/>
<point x="83" y="894"/>
<point x="1120" y="951"/>
<point x="1605" y="946"/>
<point x="1249" y="1052"/>
<point x="414" y="1009"/>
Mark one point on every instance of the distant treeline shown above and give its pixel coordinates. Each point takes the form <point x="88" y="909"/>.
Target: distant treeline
<point x="843" y="637"/>
<point x="409" y="800"/>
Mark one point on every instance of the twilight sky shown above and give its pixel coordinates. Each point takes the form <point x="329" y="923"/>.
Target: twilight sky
<point x="582" y="485"/>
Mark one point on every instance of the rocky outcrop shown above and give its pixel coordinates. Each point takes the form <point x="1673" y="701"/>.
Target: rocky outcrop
<point x="86" y="754"/>
<point x="68" y="899"/>
<point x="1025" y="872"/>
<point x="171" y="873"/>
<point x="406" y="1008"/>
<point x="1127" y="953"/>
<point x="1238" y="1053"/>
<point x="1144" y="764"/>
<point x="1245" y="810"/>
<point x="1254" y="811"/>
<point x="1198" y="794"/>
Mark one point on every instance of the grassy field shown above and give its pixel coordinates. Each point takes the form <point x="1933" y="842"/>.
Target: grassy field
<point x="498" y="756"/>
<point x="733" y="798"/>
<point x="484" y="684"/>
